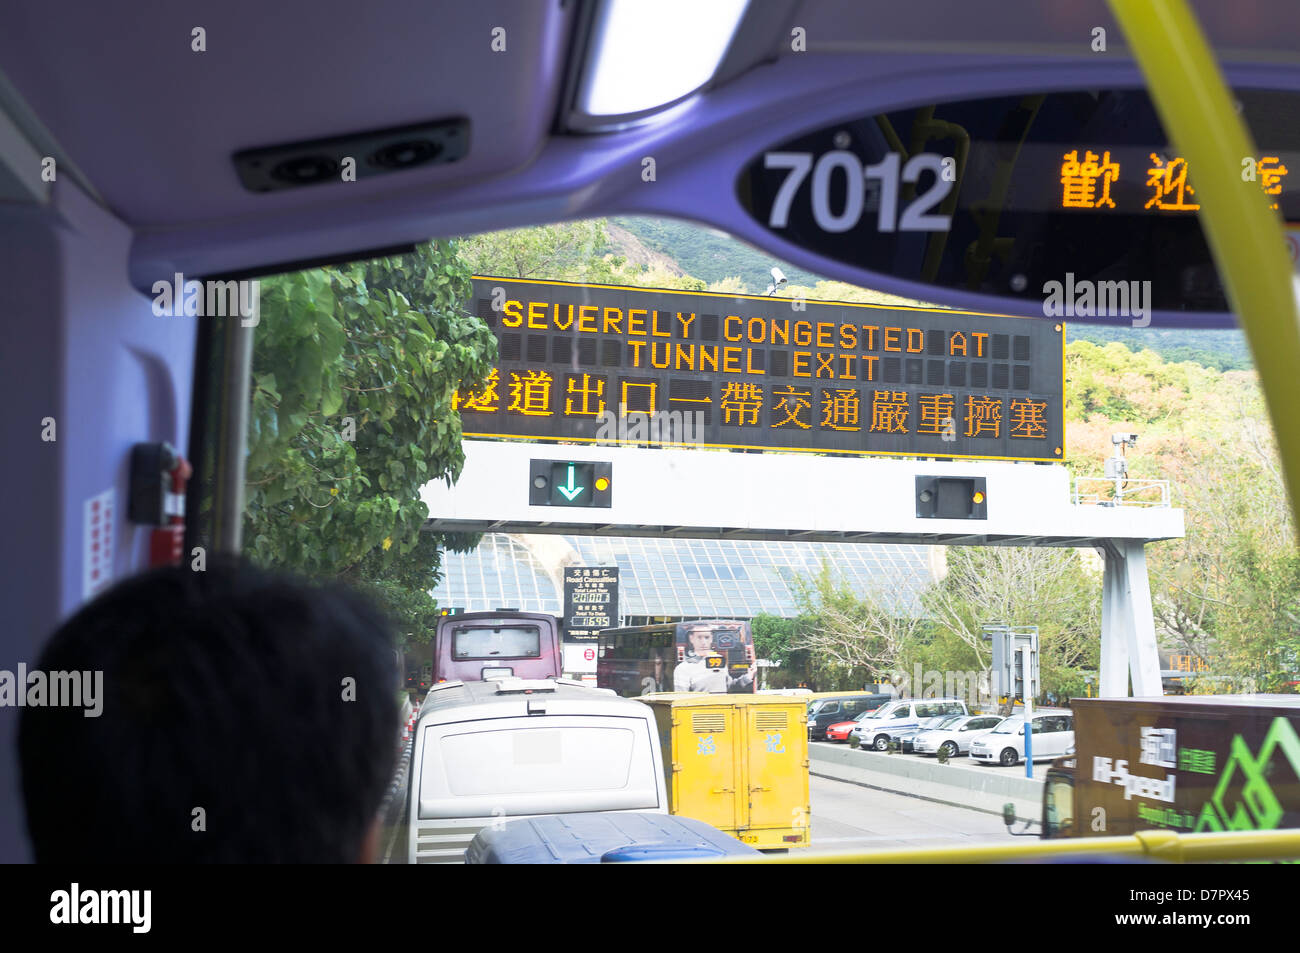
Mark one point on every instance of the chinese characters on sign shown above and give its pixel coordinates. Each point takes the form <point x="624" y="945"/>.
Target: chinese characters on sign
<point x="578" y="361"/>
<point x="1087" y="177"/>
<point x="590" y="601"/>
<point x="1158" y="746"/>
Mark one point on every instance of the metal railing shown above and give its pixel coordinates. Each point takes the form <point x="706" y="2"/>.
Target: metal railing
<point x="1101" y="491"/>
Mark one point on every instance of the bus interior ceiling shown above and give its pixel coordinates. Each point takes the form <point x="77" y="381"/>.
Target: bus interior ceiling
<point x="142" y="127"/>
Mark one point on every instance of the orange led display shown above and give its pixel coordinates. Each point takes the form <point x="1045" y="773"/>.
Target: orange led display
<point x="1086" y="178"/>
<point x="586" y="363"/>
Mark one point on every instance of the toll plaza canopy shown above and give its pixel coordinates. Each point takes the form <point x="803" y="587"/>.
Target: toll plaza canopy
<point x="675" y="577"/>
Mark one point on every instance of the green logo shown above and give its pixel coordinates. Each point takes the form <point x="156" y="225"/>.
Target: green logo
<point x="1257" y="808"/>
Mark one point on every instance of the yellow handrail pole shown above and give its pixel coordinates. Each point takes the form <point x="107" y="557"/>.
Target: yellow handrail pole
<point x="1244" y="234"/>
<point x="1149" y="845"/>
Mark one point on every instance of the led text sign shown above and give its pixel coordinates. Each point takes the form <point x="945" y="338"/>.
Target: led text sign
<point x="1002" y="195"/>
<point x="603" y="364"/>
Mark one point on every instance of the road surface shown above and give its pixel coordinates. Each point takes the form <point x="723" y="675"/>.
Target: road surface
<point x="849" y="817"/>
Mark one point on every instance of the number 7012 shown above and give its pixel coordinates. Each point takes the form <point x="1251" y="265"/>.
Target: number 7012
<point x="916" y="215"/>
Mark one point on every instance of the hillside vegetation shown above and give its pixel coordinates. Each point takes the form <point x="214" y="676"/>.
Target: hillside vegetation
<point x="1230" y="591"/>
<point x="1221" y="350"/>
<point x="727" y="264"/>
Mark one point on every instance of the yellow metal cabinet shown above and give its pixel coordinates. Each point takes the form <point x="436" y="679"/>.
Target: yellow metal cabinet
<point x="738" y="762"/>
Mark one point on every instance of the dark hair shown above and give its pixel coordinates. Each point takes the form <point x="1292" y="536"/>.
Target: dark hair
<point x="224" y="690"/>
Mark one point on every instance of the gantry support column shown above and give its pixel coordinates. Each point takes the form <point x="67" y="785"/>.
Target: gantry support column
<point x="1128" y="635"/>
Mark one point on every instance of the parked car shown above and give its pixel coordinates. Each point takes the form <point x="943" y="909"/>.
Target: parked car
<point x="1053" y="733"/>
<point x="840" y="730"/>
<point x="844" y="708"/>
<point x="955" y="737"/>
<point x="905" y="739"/>
<point x="876" y="729"/>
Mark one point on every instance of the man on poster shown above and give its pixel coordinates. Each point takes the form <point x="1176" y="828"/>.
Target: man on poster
<point x="694" y="674"/>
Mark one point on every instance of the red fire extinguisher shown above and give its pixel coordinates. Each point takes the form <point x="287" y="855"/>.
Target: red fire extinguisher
<point x="165" y="543"/>
<point x="157" y="498"/>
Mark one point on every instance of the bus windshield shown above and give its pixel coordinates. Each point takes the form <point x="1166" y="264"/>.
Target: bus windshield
<point x="896" y="357"/>
<point x="480" y="642"/>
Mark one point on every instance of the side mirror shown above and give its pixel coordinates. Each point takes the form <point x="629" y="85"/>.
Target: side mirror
<point x="1009" y="819"/>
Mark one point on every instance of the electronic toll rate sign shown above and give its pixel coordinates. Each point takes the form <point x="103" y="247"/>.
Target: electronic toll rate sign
<point x="635" y="366"/>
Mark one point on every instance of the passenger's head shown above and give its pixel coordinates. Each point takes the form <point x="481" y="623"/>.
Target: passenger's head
<point x="245" y="717"/>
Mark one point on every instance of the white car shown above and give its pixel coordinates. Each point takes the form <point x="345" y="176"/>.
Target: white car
<point x="1053" y="734"/>
<point x="956" y="738"/>
<point x="876" y="729"/>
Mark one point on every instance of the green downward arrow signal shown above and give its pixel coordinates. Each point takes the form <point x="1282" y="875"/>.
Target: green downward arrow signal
<point x="570" y="491"/>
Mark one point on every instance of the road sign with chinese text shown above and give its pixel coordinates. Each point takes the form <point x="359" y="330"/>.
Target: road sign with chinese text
<point x="590" y="601"/>
<point x="604" y="364"/>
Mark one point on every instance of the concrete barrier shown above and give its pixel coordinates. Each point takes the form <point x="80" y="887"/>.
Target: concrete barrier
<point x="960" y="783"/>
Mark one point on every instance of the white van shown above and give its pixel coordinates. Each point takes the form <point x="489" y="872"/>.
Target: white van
<point x="876" y="729"/>
<point x="1053" y="734"/>
<point x="511" y="747"/>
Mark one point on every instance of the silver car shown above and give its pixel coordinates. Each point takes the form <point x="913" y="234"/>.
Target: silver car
<point x="906" y="739"/>
<point x="874" y="730"/>
<point x="955" y="738"/>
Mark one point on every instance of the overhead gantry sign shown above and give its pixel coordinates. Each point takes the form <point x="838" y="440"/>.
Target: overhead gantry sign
<point x="595" y="363"/>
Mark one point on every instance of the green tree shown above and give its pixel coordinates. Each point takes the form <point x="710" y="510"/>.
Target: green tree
<point x="842" y="291"/>
<point x="1258" y="640"/>
<point x="850" y="638"/>
<point x="1015" y="585"/>
<point x="773" y="636"/>
<point x="731" y="285"/>
<point x="567" y="251"/>
<point x="570" y="251"/>
<point x="354" y="368"/>
<point x="1227" y="591"/>
<point x="778" y="640"/>
<point x="853" y="638"/>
